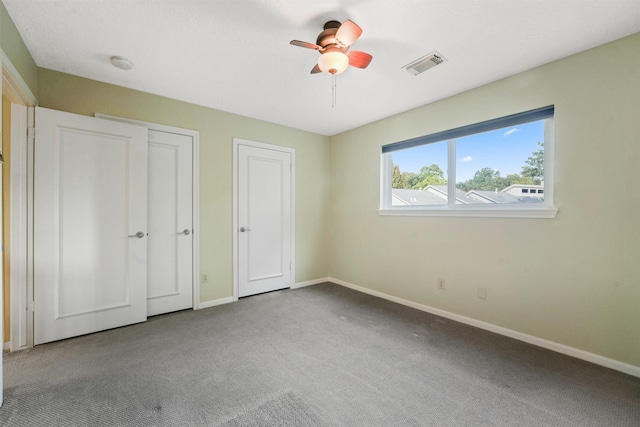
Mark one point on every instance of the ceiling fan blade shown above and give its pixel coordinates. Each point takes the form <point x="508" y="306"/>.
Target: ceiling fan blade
<point x="304" y="44"/>
<point x="316" y="70"/>
<point x="359" y="59"/>
<point x="348" y="33"/>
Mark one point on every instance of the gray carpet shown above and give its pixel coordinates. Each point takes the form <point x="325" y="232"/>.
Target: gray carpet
<point x="283" y="410"/>
<point x="322" y="355"/>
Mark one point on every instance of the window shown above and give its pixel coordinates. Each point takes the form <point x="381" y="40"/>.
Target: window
<point x="497" y="168"/>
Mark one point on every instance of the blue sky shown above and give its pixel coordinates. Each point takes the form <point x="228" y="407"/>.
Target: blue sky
<point x="505" y="150"/>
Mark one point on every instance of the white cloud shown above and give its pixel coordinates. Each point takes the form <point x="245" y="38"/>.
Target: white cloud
<point x="510" y="131"/>
<point x="466" y="159"/>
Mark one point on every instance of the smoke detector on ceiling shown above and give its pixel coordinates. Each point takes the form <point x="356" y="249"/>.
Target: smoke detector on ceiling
<point x="122" y="63"/>
<point x="425" y="63"/>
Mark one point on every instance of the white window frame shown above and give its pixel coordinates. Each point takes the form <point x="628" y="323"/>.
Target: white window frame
<point x="546" y="209"/>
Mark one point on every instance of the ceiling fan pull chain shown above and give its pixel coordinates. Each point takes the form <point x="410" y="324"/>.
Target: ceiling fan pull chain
<point x="333" y="91"/>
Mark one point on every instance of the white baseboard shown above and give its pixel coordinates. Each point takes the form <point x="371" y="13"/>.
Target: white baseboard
<point x="310" y="283"/>
<point x="549" y="345"/>
<point x="213" y="303"/>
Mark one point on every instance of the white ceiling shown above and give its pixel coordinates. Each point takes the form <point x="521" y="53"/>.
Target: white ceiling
<point x="235" y="55"/>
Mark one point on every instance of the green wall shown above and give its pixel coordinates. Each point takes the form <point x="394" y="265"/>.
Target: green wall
<point x="217" y="129"/>
<point x="573" y="280"/>
<point x="15" y="49"/>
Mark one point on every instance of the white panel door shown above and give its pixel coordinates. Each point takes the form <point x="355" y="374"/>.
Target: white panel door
<point x="264" y="220"/>
<point x="170" y="245"/>
<point x="90" y="200"/>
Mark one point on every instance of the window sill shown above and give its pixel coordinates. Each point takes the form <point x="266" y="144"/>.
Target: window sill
<point x="475" y="212"/>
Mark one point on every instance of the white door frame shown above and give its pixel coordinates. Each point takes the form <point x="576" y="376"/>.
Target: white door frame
<point x="21" y="194"/>
<point x="237" y="142"/>
<point x="17" y="90"/>
<point x="195" y="197"/>
<point x="20" y="273"/>
<point x="21" y="214"/>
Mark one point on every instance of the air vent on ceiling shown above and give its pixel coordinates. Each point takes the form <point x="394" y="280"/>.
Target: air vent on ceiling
<point x="425" y="63"/>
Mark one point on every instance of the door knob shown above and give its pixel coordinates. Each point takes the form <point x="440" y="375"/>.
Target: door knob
<point x="242" y="229"/>
<point x="139" y="235"/>
<point x="186" y="232"/>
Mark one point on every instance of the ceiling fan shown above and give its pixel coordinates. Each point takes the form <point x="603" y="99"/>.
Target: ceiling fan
<point x="333" y="44"/>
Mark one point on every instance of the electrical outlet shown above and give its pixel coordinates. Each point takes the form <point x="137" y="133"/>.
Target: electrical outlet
<point x="441" y="284"/>
<point x="482" y="293"/>
<point x="205" y="278"/>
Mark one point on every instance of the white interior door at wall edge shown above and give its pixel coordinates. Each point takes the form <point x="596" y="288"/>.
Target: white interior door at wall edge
<point x="264" y="220"/>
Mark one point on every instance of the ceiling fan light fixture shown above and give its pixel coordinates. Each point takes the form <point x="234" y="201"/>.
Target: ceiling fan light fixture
<point x="333" y="62"/>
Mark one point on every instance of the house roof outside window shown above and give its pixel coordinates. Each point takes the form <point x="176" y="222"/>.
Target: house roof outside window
<point x="437" y="195"/>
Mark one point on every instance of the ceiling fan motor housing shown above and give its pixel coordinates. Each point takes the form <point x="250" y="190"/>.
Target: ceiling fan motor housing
<point x="328" y="36"/>
<point x="332" y="24"/>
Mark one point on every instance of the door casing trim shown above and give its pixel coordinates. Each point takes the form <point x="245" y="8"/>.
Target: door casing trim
<point x="236" y="143"/>
<point x="20" y="214"/>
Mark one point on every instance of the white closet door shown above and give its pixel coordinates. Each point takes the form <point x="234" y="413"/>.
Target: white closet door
<point x="170" y="272"/>
<point x="90" y="201"/>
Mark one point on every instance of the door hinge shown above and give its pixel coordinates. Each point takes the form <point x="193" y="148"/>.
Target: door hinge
<point x="31" y="306"/>
<point x="31" y="133"/>
<point x="289" y="266"/>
